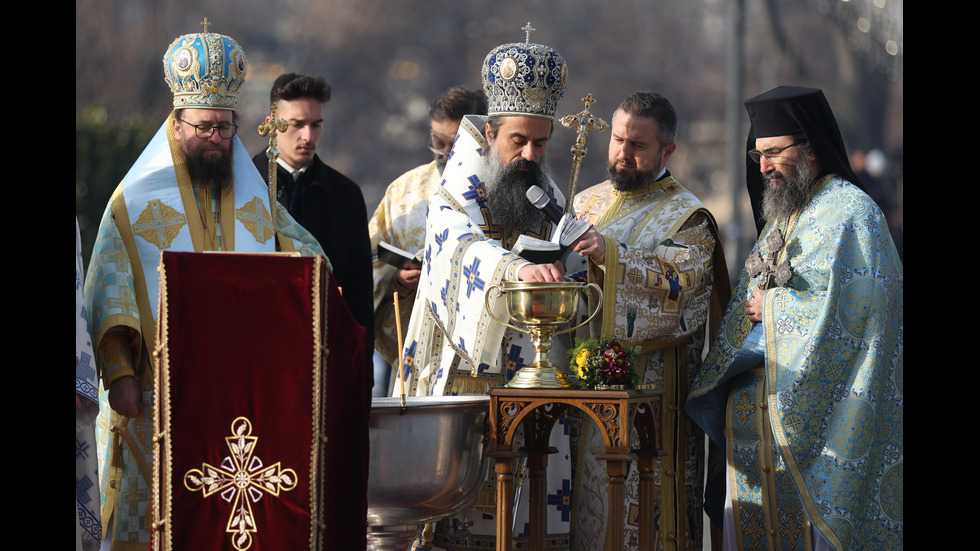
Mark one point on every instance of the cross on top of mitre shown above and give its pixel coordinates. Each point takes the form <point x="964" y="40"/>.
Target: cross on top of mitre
<point x="527" y="32"/>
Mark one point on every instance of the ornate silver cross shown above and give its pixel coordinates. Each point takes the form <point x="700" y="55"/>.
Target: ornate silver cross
<point x="755" y="265"/>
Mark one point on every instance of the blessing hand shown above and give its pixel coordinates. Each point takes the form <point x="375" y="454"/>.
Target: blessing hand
<point x="542" y="272"/>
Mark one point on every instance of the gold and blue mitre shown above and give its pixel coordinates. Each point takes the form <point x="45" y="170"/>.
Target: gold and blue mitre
<point x="526" y="79"/>
<point x="205" y="71"/>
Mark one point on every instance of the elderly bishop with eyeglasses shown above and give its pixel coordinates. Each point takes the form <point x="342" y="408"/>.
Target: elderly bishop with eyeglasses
<point x="803" y="386"/>
<point x="193" y="188"/>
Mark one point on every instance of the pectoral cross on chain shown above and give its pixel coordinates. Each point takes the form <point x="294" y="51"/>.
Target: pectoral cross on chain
<point x="272" y="127"/>
<point x="755" y="265"/>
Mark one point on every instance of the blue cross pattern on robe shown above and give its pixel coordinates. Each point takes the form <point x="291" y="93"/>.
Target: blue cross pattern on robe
<point x="428" y="260"/>
<point x="482" y="367"/>
<point x="444" y="294"/>
<point x="462" y="345"/>
<point x="562" y="500"/>
<point x="563" y="421"/>
<point x="476" y="191"/>
<point x="409" y="360"/>
<point x="430" y="381"/>
<point x="81" y="449"/>
<point x="85" y="368"/>
<point x="472" y="275"/>
<point x="441" y="238"/>
<point x="81" y="489"/>
<point x="452" y="150"/>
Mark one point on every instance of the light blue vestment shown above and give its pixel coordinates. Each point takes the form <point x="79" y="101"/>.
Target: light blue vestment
<point x="815" y="432"/>
<point x="153" y="209"/>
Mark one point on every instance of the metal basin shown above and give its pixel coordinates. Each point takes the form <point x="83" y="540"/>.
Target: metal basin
<point x="428" y="463"/>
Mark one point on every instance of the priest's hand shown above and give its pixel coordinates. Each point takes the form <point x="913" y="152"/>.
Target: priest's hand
<point x="542" y="272"/>
<point x="408" y="276"/>
<point x="124" y="396"/>
<point x="753" y="308"/>
<point x="591" y="244"/>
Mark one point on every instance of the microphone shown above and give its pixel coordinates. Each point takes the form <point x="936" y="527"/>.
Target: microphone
<point x="541" y="201"/>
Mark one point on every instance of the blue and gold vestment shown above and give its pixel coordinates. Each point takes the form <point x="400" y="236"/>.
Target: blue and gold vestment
<point x="155" y="208"/>
<point x="815" y="432"/>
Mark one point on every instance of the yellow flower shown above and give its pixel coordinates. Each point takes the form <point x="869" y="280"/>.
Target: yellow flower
<point x="582" y="357"/>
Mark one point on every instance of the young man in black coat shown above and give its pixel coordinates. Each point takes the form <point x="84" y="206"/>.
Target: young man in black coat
<point x="322" y="200"/>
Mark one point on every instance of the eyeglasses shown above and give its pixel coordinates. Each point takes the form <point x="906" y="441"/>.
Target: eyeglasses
<point x="206" y="130"/>
<point x="769" y="154"/>
<point x="439" y="146"/>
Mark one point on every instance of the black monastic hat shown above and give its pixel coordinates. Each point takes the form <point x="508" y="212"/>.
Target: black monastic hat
<point x="794" y="111"/>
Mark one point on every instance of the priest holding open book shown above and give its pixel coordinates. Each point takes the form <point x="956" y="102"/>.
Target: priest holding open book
<point x="472" y="224"/>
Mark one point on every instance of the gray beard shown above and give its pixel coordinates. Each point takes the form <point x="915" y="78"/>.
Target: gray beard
<point x="509" y="207"/>
<point x="792" y="194"/>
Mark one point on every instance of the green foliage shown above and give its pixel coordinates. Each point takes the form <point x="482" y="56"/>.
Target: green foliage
<point x="104" y="152"/>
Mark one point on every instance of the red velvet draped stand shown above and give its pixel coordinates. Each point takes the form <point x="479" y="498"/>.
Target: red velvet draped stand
<point x="245" y="336"/>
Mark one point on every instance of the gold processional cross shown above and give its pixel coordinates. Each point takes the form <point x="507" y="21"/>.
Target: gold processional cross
<point x="583" y="122"/>
<point x="205" y="23"/>
<point x="272" y="127"/>
<point x="241" y="480"/>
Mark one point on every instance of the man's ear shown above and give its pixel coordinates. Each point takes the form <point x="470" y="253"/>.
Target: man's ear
<point x="488" y="132"/>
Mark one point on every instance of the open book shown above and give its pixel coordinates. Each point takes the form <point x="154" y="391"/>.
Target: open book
<point x="539" y="251"/>
<point x="391" y="254"/>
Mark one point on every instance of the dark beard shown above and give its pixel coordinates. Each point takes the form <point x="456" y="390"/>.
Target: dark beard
<point x="206" y="170"/>
<point x="628" y="182"/>
<point x="509" y="207"/>
<point x="792" y="194"/>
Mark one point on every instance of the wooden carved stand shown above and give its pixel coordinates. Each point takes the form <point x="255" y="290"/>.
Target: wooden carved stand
<point x="615" y="412"/>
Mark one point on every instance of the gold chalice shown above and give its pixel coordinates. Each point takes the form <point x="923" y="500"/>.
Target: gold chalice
<point x="540" y="307"/>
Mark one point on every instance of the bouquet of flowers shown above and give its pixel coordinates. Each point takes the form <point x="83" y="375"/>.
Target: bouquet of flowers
<point x="605" y="362"/>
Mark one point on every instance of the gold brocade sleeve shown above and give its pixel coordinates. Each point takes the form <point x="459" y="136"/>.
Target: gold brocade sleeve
<point x="116" y="352"/>
<point x="659" y="297"/>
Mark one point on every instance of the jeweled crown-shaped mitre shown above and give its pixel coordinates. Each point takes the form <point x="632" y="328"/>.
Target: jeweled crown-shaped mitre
<point x="526" y="79"/>
<point x="205" y="71"/>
